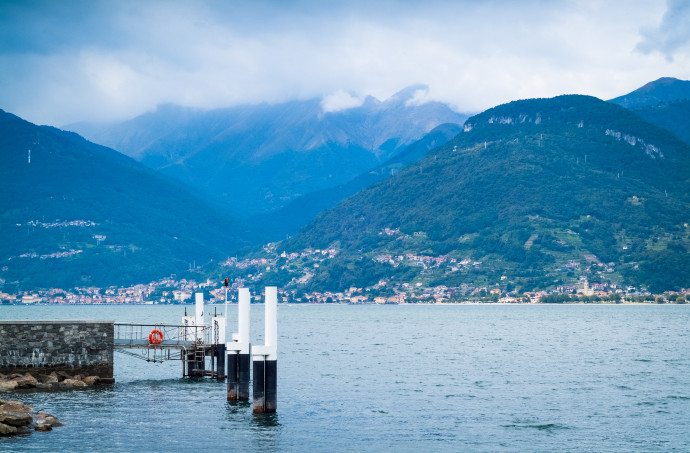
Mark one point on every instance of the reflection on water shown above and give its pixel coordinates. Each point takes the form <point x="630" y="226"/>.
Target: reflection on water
<point x="266" y="422"/>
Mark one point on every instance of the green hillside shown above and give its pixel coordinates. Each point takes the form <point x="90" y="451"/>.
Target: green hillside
<point x="78" y="214"/>
<point x="534" y="194"/>
<point x="673" y="116"/>
<point x="664" y="102"/>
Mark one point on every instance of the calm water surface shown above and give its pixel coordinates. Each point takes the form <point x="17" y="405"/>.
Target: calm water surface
<point x="402" y="378"/>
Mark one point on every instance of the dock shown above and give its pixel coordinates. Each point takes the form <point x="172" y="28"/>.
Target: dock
<point x="204" y="350"/>
<point x="201" y="349"/>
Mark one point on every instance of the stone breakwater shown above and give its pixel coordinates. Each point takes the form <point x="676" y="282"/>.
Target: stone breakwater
<point x="19" y="418"/>
<point x="74" y="347"/>
<point x="50" y="355"/>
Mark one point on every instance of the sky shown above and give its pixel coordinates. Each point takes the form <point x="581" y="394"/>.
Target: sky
<point x="105" y="60"/>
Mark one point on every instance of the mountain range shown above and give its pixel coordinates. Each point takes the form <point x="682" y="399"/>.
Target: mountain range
<point x="532" y="194"/>
<point x="253" y="159"/>
<point x="528" y="195"/>
<point x="289" y="219"/>
<point x="74" y="213"/>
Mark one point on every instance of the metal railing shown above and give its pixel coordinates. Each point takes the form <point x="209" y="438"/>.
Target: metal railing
<point x="176" y="336"/>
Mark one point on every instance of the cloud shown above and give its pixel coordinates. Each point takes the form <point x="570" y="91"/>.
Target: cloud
<point x="340" y="100"/>
<point x="419" y="97"/>
<point x="672" y="35"/>
<point x="100" y="60"/>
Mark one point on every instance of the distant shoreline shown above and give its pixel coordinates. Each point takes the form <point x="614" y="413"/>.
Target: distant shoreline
<point x="346" y="303"/>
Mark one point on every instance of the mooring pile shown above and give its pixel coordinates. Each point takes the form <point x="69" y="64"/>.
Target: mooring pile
<point x="264" y="357"/>
<point x="244" y="360"/>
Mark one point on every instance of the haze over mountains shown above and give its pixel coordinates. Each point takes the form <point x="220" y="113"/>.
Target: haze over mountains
<point x="529" y="195"/>
<point x="257" y="158"/>
<point x="79" y="214"/>
<point x="288" y="220"/>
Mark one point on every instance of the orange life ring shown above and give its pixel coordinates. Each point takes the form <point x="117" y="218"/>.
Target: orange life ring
<point x="156" y="336"/>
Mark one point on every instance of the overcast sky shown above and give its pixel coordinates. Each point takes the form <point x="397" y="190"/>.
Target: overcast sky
<point x="70" y="60"/>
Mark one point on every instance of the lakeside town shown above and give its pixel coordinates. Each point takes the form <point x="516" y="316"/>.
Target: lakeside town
<point x="269" y="263"/>
<point x="257" y="271"/>
<point x="584" y="280"/>
<point x="162" y="292"/>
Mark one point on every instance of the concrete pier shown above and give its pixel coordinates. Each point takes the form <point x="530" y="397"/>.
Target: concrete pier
<point x="76" y="347"/>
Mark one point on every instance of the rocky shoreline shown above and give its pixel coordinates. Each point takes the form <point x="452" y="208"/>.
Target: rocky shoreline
<point x="57" y="380"/>
<point x="19" y="418"/>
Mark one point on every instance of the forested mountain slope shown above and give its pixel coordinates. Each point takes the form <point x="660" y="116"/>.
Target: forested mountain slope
<point x="73" y="213"/>
<point x="534" y="193"/>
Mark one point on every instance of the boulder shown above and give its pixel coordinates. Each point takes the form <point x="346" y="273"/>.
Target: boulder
<point x="48" y="381"/>
<point x="15" y="418"/>
<point x="63" y="375"/>
<point x="43" y="427"/>
<point x="14" y="405"/>
<point x="91" y="380"/>
<point x="16" y="414"/>
<point x="19" y="418"/>
<point x="71" y="384"/>
<point x="42" y="417"/>
<point x="7" y="430"/>
<point x="49" y="378"/>
<point x="26" y="381"/>
<point x="7" y="385"/>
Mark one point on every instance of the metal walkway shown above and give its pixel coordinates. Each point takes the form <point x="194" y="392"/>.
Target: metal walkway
<point x="189" y="343"/>
<point x="174" y="336"/>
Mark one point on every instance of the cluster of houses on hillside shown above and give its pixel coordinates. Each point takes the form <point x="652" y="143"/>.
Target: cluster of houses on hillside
<point x="303" y="265"/>
<point x="172" y="291"/>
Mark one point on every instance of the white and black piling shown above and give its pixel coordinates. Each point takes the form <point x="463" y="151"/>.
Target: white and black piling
<point x="265" y="359"/>
<point x="218" y="328"/>
<point x="196" y="363"/>
<point x="239" y="351"/>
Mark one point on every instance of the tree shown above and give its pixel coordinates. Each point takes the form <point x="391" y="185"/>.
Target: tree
<point x="615" y="298"/>
<point x="681" y="300"/>
<point x="659" y="299"/>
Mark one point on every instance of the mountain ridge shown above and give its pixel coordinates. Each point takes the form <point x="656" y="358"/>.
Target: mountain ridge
<point x="226" y="154"/>
<point x="664" y="89"/>
<point x="664" y="102"/>
<point x="77" y="213"/>
<point x="289" y="219"/>
<point x="530" y="188"/>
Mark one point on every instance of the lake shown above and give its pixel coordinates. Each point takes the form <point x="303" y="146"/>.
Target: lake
<point x="401" y="378"/>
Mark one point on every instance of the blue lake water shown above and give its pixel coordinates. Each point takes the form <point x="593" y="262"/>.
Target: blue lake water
<point x="402" y="378"/>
